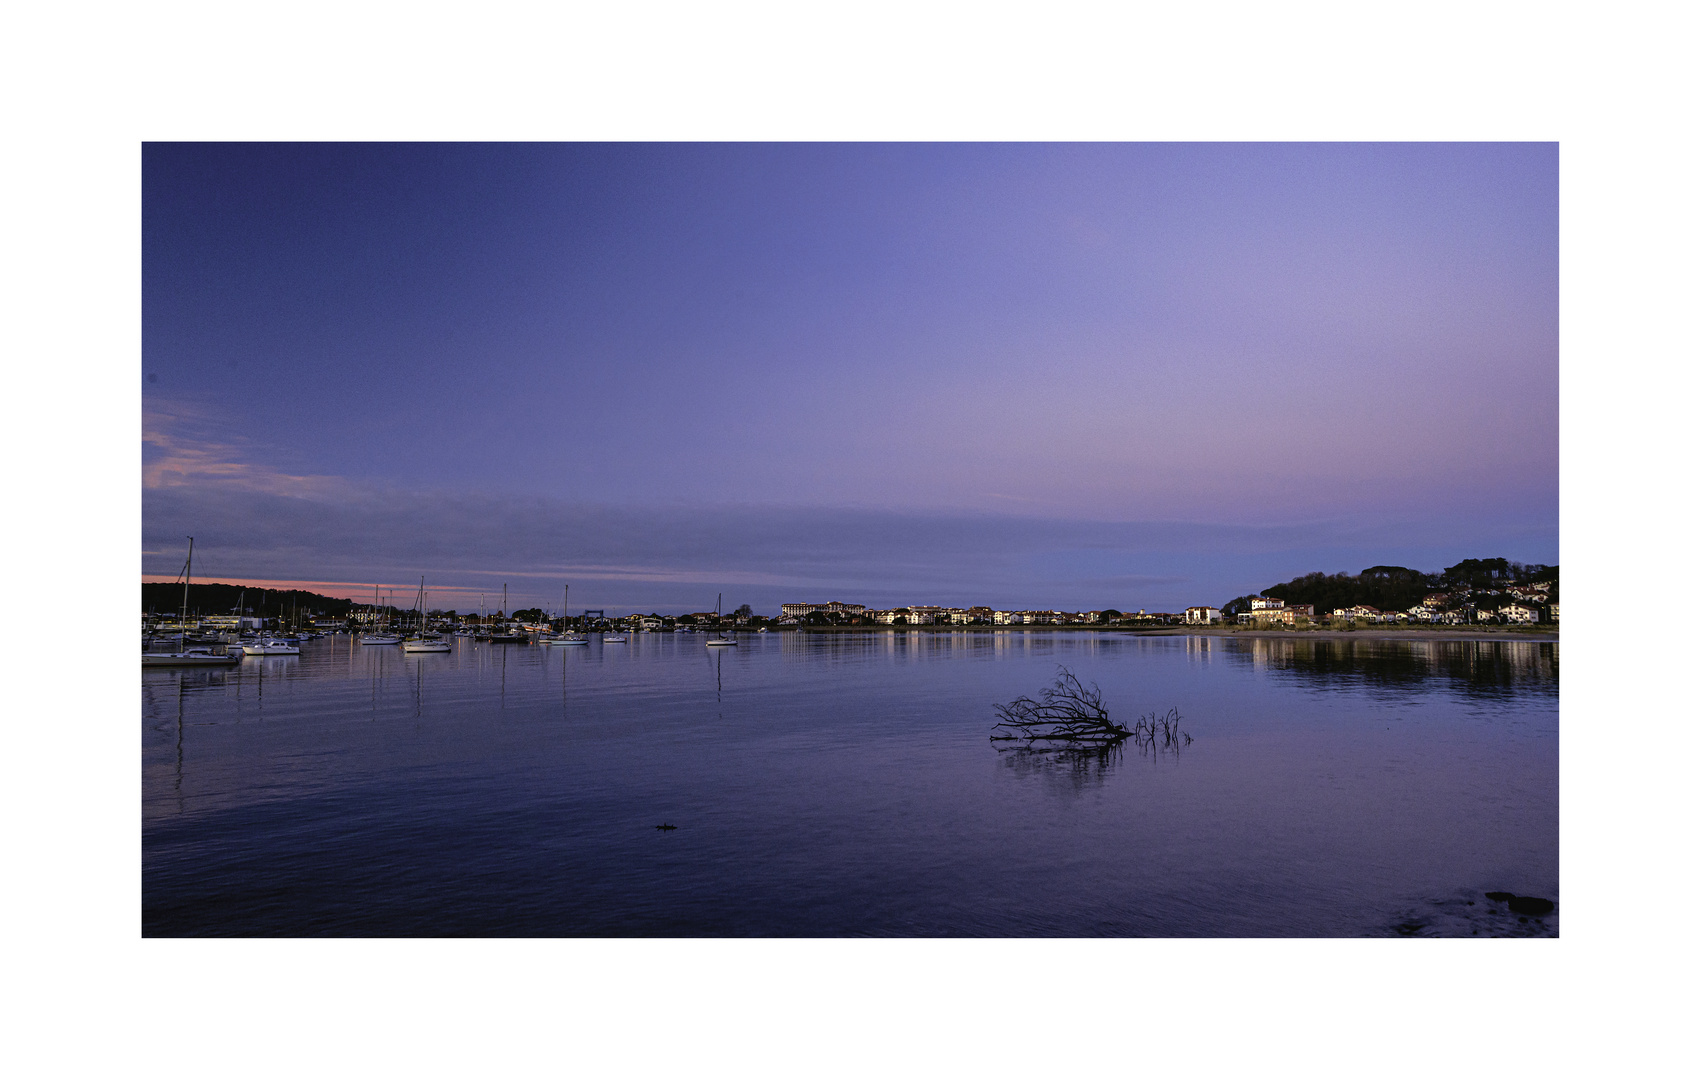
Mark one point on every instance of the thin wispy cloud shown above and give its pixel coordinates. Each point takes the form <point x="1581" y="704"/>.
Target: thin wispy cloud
<point x="177" y="451"/>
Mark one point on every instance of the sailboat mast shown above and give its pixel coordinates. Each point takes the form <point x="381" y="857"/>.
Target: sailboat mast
<point x="183" y="613"/>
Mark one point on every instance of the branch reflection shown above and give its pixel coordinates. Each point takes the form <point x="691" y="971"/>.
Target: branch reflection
<point x="1074" y="769"/>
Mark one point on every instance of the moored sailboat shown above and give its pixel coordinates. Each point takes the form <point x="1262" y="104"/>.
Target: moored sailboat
<point x="197" y="657"/>
<point x="507" y="635"/>
<point x="423" y="642"/>
<point x="721" y="638"/>
<point x="569" y="638"/>
<point x="382" y="637"/>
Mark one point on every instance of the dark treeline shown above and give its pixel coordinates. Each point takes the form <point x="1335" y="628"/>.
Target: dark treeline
<point x="214" y="598"/>
<point x="1396" y="588"/>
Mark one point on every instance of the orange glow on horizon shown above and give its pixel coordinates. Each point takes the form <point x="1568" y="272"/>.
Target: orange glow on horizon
<point x="395" y="593"/>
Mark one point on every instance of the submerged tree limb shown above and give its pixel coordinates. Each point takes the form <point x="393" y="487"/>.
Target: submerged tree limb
<point x="1068" y="715"/>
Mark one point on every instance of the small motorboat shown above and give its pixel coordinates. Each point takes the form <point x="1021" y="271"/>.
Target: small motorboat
<point x="271" y="647"/>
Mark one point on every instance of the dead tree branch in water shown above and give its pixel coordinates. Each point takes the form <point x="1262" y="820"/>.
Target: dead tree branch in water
<point x="1065" y="713"/>
<point x="1069" y="716"/>
<point x="1161" y="732"/>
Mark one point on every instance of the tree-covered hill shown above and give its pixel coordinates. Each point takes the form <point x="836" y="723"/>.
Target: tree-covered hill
<point x="1396" y="588"/>
<point x="214" y="598"/>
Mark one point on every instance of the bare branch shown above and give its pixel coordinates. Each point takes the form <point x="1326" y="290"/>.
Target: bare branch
<point x="1070" y="716"/>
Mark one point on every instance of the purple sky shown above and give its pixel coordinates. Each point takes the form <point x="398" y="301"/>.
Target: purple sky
<point x="1140" y="376"/>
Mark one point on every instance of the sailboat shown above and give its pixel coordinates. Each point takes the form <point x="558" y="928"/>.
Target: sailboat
<point x="200" y="657"/>
<point x="570" y="639"/>
<point x="422" y="641"/>
<point x="721" y="638"/>
<point x="384" y="637"/>
<point x="507" y="635"/>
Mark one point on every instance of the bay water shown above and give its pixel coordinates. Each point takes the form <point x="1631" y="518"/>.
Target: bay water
<point x="844" y="784"/>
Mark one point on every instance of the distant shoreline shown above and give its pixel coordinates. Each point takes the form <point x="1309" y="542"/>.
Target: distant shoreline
<point x="1418" y="633"/>
<point x="1421" y="633"/>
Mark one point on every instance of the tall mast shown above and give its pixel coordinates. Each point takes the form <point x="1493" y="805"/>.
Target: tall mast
<point x="183" y="613"/>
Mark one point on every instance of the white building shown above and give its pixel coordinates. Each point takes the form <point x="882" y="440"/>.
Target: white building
<point x="911" y="616"/>
<point x="1201" y="616"/>
<point x="1520" y="613"/>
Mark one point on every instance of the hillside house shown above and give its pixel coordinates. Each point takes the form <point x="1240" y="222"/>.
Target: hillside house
<point x="1520" y="613"/>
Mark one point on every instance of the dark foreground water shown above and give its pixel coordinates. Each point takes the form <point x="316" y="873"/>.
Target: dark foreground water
<point x="845" y="785"/>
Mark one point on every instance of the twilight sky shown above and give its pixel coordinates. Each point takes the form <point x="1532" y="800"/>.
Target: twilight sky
<point x="1026" y="375"/>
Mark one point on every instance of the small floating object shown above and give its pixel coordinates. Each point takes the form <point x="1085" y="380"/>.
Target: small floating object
<point x="667" y="828"/>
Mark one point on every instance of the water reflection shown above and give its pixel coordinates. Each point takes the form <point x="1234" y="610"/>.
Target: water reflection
<point x="1084" y="767"/>
<point x="177" y="779"/>
<point x="1067" y="772"/>
<point x="1489" y="668"/>
<point x="923" y="645"/>
<point x="849" y="787"/>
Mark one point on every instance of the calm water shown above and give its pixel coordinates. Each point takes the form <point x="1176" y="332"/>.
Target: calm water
<point x="845" y="785"/>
